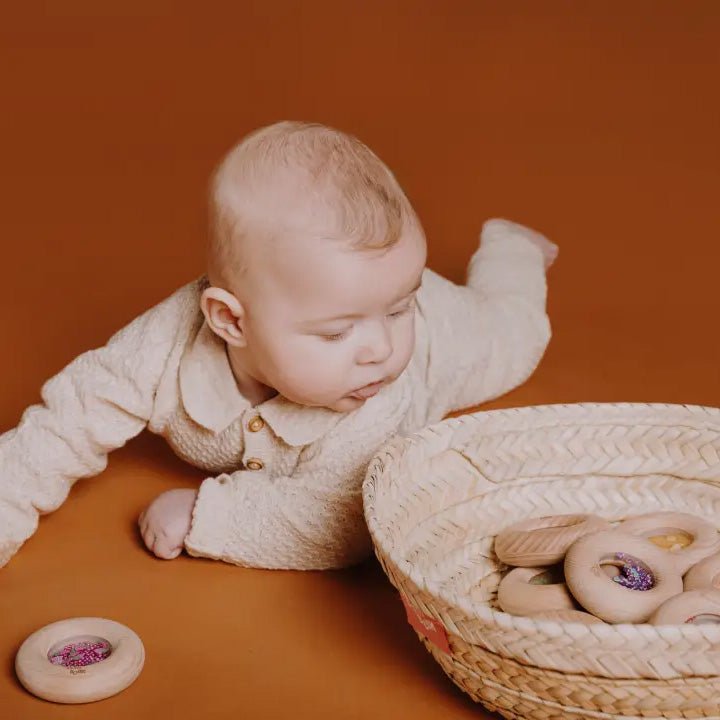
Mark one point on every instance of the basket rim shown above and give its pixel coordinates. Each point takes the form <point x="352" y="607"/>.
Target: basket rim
<point x="412" y="444"/>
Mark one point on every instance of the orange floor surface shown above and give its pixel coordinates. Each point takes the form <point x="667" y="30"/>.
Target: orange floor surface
<point x="594" y="122"/>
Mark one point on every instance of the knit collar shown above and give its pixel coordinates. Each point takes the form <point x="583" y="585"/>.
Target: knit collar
<point x="212" y="399"/>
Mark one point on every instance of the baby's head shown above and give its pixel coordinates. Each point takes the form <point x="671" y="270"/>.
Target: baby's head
<point x="315" y="256"/>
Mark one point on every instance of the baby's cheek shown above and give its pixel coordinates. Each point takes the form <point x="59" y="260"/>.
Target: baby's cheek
<point x="308" y="363"/>
<point x="405" y="346"/>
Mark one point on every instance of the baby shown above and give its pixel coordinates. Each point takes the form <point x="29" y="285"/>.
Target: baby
<point x="316" y="335"/>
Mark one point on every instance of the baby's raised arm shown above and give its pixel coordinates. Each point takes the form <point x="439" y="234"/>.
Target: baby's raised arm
<point x="488" y="336"/>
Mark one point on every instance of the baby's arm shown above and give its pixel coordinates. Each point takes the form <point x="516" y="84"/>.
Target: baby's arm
<point x="95" y="404"/>
<point x="488" y="336"/>
<point x="312" y="520"/>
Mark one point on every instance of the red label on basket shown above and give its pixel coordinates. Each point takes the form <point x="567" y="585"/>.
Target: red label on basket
<point x="433" y="630"/>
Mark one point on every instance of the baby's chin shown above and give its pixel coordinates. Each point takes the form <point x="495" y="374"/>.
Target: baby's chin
<point x="341" y="405"/>
<point x="347" y="404"/>
<point x="344" y="404"/>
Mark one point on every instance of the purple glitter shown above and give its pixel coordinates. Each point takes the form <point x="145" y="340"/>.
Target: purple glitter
<point x="634" y="575"/>
<point x="82" y="653"/>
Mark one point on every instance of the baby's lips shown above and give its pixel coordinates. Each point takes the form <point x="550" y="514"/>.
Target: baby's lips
<point x="368" y="391"/>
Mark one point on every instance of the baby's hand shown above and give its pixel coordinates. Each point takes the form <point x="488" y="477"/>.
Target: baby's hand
<point x="166" y="521"/>
<point x="548" y="249"/>
<point x="506" y="227"/>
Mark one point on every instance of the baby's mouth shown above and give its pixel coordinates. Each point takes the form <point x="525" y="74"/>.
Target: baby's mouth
<point x="368" y="391"/>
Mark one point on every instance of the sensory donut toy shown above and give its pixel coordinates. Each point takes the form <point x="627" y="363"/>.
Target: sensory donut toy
<point x="79" y="660"/>
<point x="646" y="579"/>
<point x="687" y="539"/>
<point x="706" y="574"/>
<point x="528" y="590"/>
<point x="537" y="542"/>
<point x="696" y="606"/>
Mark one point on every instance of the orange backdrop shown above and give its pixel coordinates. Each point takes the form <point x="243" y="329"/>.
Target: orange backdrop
<point x="595" y="122"/>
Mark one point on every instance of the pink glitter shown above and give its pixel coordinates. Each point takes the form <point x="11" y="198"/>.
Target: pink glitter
<point x="82" y="653"/>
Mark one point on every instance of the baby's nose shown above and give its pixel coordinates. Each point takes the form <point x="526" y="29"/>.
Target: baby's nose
<point x="377" y="347"/>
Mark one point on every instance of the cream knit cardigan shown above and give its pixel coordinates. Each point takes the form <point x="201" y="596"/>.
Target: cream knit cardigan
<point x="301" y="505"/>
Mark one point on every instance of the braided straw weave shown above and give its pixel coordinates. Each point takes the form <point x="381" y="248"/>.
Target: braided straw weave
<point x="435" y="500"/>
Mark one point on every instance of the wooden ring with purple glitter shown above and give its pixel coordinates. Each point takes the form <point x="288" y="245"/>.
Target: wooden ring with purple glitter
<point x="619" y="577"/>
<point x="79" y="660"/>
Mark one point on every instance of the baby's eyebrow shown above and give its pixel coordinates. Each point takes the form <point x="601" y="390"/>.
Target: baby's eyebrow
<point x="355" y="316"/>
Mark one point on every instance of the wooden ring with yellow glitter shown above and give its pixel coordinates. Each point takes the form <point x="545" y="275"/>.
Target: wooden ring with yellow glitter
<point x="686" y="539"/>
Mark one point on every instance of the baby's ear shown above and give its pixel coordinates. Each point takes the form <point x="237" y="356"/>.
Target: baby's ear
<point x="224" y="315"/>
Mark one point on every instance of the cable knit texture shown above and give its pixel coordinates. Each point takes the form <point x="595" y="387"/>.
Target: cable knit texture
<point x="285" y="483"/>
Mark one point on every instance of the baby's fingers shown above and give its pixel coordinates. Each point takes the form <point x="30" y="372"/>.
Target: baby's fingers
<point x="552" y="254"/>
<point x="165" y="547"/>
<point x="148" y="536"/>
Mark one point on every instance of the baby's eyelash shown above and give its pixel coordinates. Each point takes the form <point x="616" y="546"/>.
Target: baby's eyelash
<point x="410" y="306"/>
<point x="333" y="338"/>
<point x="341" y="335"/>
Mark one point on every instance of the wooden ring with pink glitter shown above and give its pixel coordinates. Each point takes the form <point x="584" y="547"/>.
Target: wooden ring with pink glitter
<point x="79" y="660"/>
<point x="698" y="607"/>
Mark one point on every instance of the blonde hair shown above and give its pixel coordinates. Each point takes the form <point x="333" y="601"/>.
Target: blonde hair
<point x="334" y="167"/>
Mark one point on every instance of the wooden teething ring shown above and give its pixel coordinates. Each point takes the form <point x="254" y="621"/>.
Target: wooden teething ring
<point x="706" y="574"/>
<point x="71" y="677"/>
<point x="630" y="598"/>
<point x="685" y="538"/>
<point x="541" y="541"/>
<point x="696" y="606"/>
<point x="577" y="616"/>
<point x="518" y="595"/>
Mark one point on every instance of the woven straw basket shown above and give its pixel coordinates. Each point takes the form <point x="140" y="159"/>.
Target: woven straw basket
<point x="435" y="500"/>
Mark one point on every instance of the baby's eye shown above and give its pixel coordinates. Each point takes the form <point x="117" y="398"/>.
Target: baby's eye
<point x="406" y="309"/>
<point x="336" y="336"/>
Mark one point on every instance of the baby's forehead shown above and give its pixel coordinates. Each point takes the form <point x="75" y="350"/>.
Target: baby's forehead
<point x="318" y="281"/>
